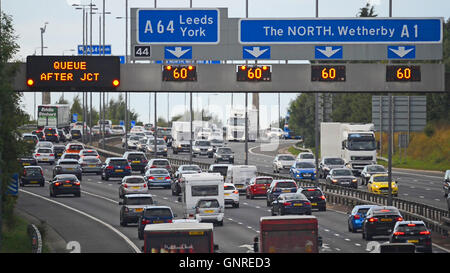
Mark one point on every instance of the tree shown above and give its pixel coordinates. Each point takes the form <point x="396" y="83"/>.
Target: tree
<point x="367" y="11"/>
<point x="11" y="117"/>
<point x="301" y="120"/>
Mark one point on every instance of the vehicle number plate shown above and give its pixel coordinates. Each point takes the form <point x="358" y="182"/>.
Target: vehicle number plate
<point x="160" y="178"/>
<point x="239" y="186"/>
<point x="297" y="205"/>
<point x="92" y="166"/>
<point x="70" y="169"/>
<point x="314" y="204"/>
<point x="386" y="220"/>
<point x="209" y="211"/>
<point x="139" y="210"/>
<point x="34" y="182"/>
<point x="119" y="171"/>
<point x="26" y="164"/>
<point x="286" y="190"/>
<point x="45" y="159"/>
<point x="226" y="194"/>
<point x="157" y="222"/>
<point x="413" y="241"/>
<point x="135" y="188"/>
<point x="136" y="162"/>
<point x="67" y="185"/>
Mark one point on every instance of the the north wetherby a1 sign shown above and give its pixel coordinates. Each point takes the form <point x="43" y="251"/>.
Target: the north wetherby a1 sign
<point x="341" y="30"/>
<point x="178" y="26"/>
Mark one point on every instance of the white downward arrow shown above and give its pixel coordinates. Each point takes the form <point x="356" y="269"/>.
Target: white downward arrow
<point x="401" y="51"/>
<point x="256" y="52"/>
<point x="178" y="52"/>
<point x="328" y="51"/>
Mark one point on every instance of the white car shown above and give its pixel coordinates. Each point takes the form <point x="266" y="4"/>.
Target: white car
<point x="132" y="184"/>
<point x="275" y="133"/>
<point x="44" y="144"/>
<point x="231" y="195"/>
<point x="209" y="210"/>
<point x="283" y="162"/>
<point x="306" y="157"/>
<point x="118" y="129"/>
<point x="44" y="155"/>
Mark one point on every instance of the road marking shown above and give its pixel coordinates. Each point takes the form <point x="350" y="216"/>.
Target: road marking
<point x="357" y="244"/>
<point x="421" y="196"/>
<point x="127" y="240"/>
<point x="347" y="239"/>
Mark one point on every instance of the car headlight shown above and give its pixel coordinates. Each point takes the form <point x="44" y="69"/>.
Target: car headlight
<point x="196" y="149"/>
<point x="354" y="180"/>
<point x="210" y="149"/>
<point x="165" y="149"/>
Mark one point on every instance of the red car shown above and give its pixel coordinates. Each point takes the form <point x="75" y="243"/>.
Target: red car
<point x="258" y="186"/>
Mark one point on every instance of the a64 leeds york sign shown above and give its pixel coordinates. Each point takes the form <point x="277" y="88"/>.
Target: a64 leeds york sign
<point x="65" y="73"/>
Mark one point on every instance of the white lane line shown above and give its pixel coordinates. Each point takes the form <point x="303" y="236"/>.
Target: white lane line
<point x="413" y="174"/>
<point x="128" y="241"/>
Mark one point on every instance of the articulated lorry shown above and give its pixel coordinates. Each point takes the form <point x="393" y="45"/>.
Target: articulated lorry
<point x="55" y="115"/>
<point x="354" y="143"/>
<point x="235" y="127"/>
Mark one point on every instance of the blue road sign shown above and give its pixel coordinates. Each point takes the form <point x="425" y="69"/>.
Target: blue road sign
<point x="133" y="123"/>
<point x="178" y="52"/>
<point x="121" y="123"/>
<point x="178" y="26"/>
<point x="13" y="185"/>
<point x="96" y="49"/>
<point x="401" y="52"/>
<point x="358" y="30"/>
<point x="328" y="52"/>
<point x="256" y="52"/>
<point x="122" y="59"/>
<point x="74" y="117"/>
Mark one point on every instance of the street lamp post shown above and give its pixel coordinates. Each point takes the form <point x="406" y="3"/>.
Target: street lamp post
<point x="45" y="95"/>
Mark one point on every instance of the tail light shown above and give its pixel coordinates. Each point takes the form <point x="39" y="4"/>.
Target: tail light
<point x="144" y="222"/>
<point x="236" y="192"/>
<point x="399" y="219"/>
<point x="151" y="177"/>
<point x="77" y="183"/>
<point x="373" y="220"/>
<point x="52" y="154"/>
<point x="153" y="166"/>
<point x="25" y="172"/>
<point x="308" y="203"/>
<point x="356" y="216"/>
<point x="323" y="197"/>
<point x="57" y="184"/>
<point x="167" y="177"/>
<point x="426" y="232"/>
<point x="110" y="167"/>
<point x="411" y="225"/>
<point x="169" y="221"/>
<point x="128" y="168"/>
<point x="125" y="185"/>
<point x="397" y="233"/>
<point x="287" y="203"/>
<point x="145" y="185"/>
<point x="38" y="154"/>
<point x="168" y="167"/>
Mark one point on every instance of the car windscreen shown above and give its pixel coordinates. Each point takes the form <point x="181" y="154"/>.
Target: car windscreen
<point x="208" y="203"/>
<point x="380" y="178"/>
<point x="312" y="193"/>
<point x="264" y="181"/>
<point x="50" y="131"/>
<point x="160" y="162"/>
<point x="33" y="171"/>
<point x="158" y="142"/>
<point x="304" y="165"/>
<point x="411" y="228"/>
<point x="334" y="161"/>
<point x="191" y="168"/>
<point x="376" y="169"/>
<point x="206" y="190"/>
<point x="158" y="212"/>
<point x="202" y="143"/>
<point x="229" y="188"/>
<point x="286" y="184"/>
<point x="160" y="172"/>
<point x="91" y="160"/>
<point x="76" y="147"/>
<point x="216" y="141"/>
<point x="307" y="156"/>
<point x="342" y="173"/>
<point x="363" y="211"/>
<point x="75" y="132"/>
<point x="118" y="162"/>
<point x="286" y="157"/>
<point x="139" y="201"/>
<point x="224" y="151"/>
<point x="72" y="156"/>
<point x="66" y="178"/>
<point x="134" y="138"/>
<point x="135" y="180"/>
<point x="68" y="162"/>
<point x="29" y="138"/>
<point x="90" y="152"/>
<point x="136" y="156"/>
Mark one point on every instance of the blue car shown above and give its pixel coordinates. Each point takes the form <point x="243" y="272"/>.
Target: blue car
<point x="115" y="167"/>
<point x="357" y="216"/>
<point x="303" y="171"/>
<point x="154" y="215"/>
<point x="158" y="177"/>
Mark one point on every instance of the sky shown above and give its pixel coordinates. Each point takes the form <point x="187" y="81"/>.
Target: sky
<point x="64" y="32"/>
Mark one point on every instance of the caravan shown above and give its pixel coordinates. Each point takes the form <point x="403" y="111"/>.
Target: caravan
<point x="202" y="186"/>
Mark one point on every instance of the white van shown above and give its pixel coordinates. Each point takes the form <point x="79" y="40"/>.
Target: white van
<point x="201" y="186"/>
<point x="240" y="176"/>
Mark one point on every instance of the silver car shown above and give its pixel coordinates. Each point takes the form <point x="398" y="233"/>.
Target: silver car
<point x="161" y="146"/>
<point x="68" y="166"/>
<point x="132" y="184"/>
<point x="370" y="170"/>
<point x="91" y="164"/>
<point x="283" y="162"/>
<point x="133" y="206"/>
<point x="44" y="155"/>
<point x="209" y="210"/>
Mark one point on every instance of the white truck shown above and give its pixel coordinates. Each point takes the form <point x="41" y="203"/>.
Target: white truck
<point x="354" y="143"/>
<point x="56" y="115"/>
<point x="181" y="136"/>
<point x="235" y="127"/>
<point x="240" y="176"/>
<point x="201" y="186"/>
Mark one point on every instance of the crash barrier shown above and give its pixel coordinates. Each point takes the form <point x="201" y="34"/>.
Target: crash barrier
<point x="350" y="197"/>
<point x="36" y="239"/>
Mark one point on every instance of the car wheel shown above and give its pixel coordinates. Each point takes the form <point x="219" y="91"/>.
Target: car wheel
<point x="349" y="227"/>
<point x="247" y="196"/>
<point x="220" y="223"/>
<point x="280" y="211"/>
<point x="78" y="194"/>
<point x="237" y="205"/>
<point x="268" y="203"/>
<point x="106" y="178"/>
<point x="42" y="184"/>
<point x="272" y="212"/>
<point x="140" y="236"/>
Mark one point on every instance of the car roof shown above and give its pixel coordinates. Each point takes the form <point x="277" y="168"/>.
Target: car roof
<point x="228" y="184"/>
<point x="153" y="159"/>
<point x="411" y="222"/>
<point x="62" y="176"/>
<point x="138" y="195"/>
<point x="115" y="158"/>
<point x="157" y="207"/>
<point x="158" y="169"/>
<point x="32" y="167"/>
<point x="379" y="174"/>
<point x="67" y="160"/>
<point x="292" y="193"/>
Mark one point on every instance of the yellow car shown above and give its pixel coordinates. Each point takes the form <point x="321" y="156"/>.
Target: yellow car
<point x="378" y="184"/>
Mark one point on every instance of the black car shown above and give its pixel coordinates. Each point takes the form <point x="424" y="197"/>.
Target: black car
<point x="447" y="183"/>
<point x="133" y="207"/>
<point x="68" y="166"/>
<point x="329" y="163"/>
<point x="51" y="134"/>
<point x="278" y="187"/>
<point x="65" y="184"/>
<point x="380" y="220"/>
<point x="76" y="134"/>
<point x="414" y="232"/>
<point x="138" y="161"/>
<point x="315" y="196"/>
<point x="32" y="175"/>
<point x="59" y="150"/>
<point x="291" y="203"/>
<point x="224" y="154"/>
<point x="28" y="161"/>
<point x="342" y="177"/>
